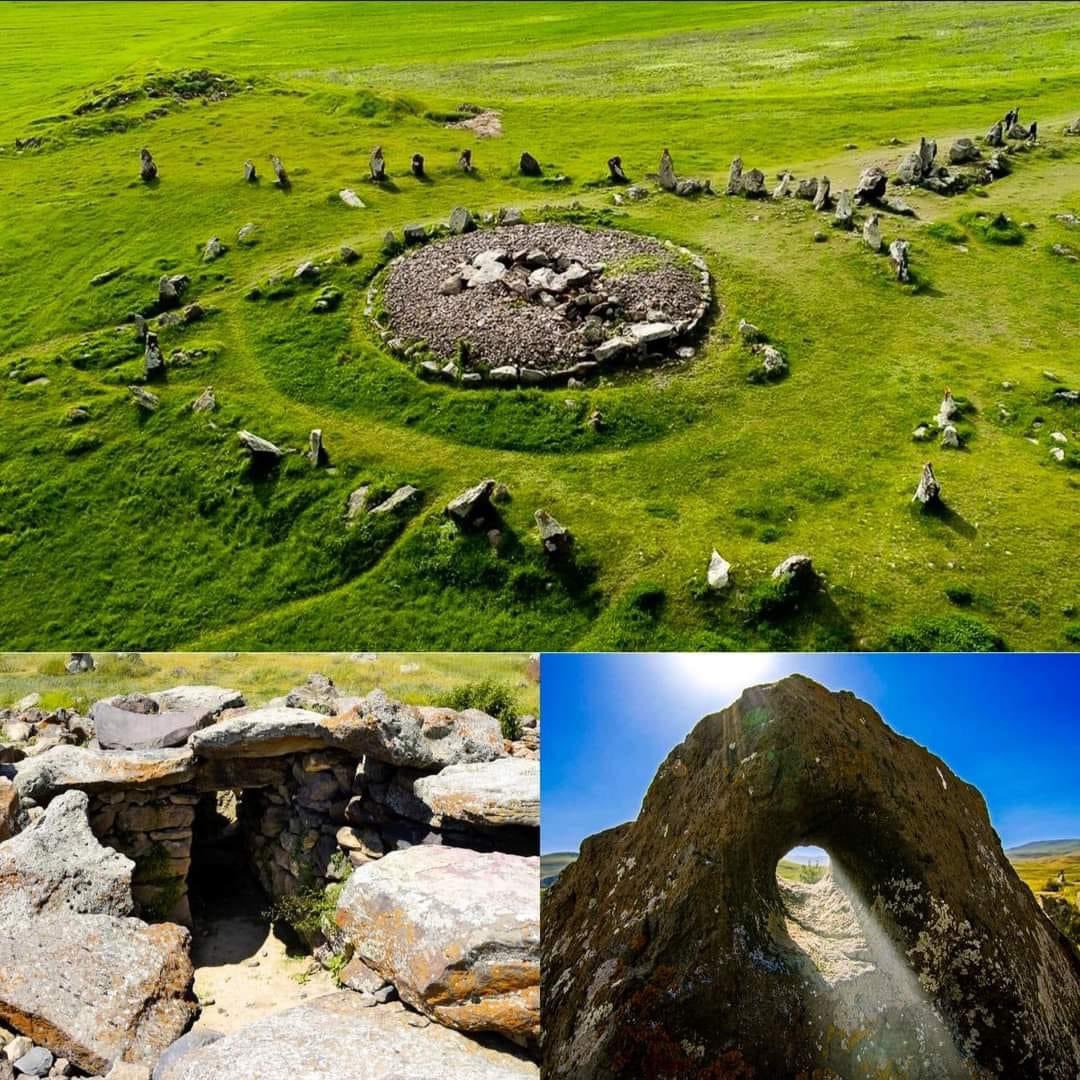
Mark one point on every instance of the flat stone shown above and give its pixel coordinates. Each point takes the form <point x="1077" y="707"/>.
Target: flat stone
<point x="63" y="767"/>
<point x="188" y="1042"/>
<point x="492" y="793"/>
<point x="456" y="931"/>
<point x="341" y="1036"/>
<point x="404" y="496"/>
<point x="649" y="333"/>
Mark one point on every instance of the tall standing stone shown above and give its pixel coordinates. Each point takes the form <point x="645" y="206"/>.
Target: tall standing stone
<point x="417" y="165"/>
<point x="528" y="165"/>
<point x="615" y="170"/>
<point x="898" y="253"/>
<point x="822" y="199"/>
<point x="147" y="166"/>
<point x="665" y="175"/>
<point x="282" y="177"/>
<point x="153" y="361"/>
<point x="250" y="175"/>
<point x="734" y="183"/>
<point x="377" y="165"/>
<point x="465" y="161"/>
<point x="929" y="490"/>
<point x="844" y="218"/>
<point x="872" y="232"/>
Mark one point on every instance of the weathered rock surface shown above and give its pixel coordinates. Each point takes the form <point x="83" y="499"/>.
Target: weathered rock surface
<point x="491" y="793"/>
<point x="62" y="768"/>
<point x="171" y="717"/>
<point x="718" y="574"/>
<point x="472" y="509"/>
<point x="9" y="808"/>
<point x="76" y="973"/>
<point x="260" y="449"/>
<point x="528" y="165"/>
<point x="898" y="256"/>
<point x="928" y="491"/>
<point x="338" y="1036"/>
<point x="665" y="947"/>
<point x="456" y="931"/>
<point x="416" y="736"/>
<point x="186" y="1044"/>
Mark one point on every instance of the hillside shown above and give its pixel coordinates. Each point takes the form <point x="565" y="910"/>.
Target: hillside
<point x="135" y="526"/>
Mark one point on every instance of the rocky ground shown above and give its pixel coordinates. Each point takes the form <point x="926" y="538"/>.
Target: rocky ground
<point x="544" y="297"/>
<point x="186" y="882"/>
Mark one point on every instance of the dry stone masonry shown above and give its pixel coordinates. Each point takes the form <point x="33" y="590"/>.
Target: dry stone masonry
<point x="424" y="819"/>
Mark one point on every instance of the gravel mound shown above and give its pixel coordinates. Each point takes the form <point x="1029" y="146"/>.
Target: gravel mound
<point x="537" y="302"/>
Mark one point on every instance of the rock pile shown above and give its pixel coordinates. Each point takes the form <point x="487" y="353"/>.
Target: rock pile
<point x="542" y="303"/>
<point x="665" y="943"/>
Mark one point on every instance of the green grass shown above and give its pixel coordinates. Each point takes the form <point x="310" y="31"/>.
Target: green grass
<point x="137" y="530"/>
<point x="418" y="678"/>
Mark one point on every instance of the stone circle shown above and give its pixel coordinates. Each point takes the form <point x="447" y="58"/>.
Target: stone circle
<point x="542" y="303"/>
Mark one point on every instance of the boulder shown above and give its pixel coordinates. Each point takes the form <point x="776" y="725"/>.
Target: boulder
<point x="871" y="185"/>
<point x="844" y="217"/>
<point x="35" y="1062"/>
<point x="490" y="793"/>
<point x="402" y="497"/>
<point x="529" y="166"/>
<point x="340" y="1036"/>
<point x="188" y="1042"/>
<point x="205" y="402"/>
<point x="871" y="232"/>
<point x="377" y="165"/>
<point x="665" y="173"/>
<point x="350" y="198"/>
<point x="456" y="931"/>
<point x="807" y="189"/>
<point x="798" y="570"/>
<point x="950" y="438"/>
<point x="556" y="539"/>
<point x="64" y="767"/>
<point x="473" y="509"/>
<point x="319" y="694"/>
<point x="963" y="152"/>
<point x="121" y="729"/>
<point x="306" y="271"/>
<point x="171" y="287"/>
<point x="147" y="166"/>
<point x="214" y="249"/>
<point x="898" y="255"/>
<point x="77" y="969"/>
<point x="281" y="176"/>
<point x="144" y="398"/>
<point x="259" y="448"/>
<point x="718" y="574"/>
<point x="929" y="490"/>
<point x="670" y="939"/>
<point x="753" y="184"/>
<point x="461" y="221"/>
<point x="422" y="737"/>
<point x="9" y="809"/>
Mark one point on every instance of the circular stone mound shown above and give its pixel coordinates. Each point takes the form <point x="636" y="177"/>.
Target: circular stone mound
<point x="543" y="303"/>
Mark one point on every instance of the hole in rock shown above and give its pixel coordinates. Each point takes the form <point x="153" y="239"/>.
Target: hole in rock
<point x="855" y="973"/>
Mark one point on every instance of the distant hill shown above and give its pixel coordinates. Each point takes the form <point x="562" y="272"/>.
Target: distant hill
<point x="1041" y="849"/>
<point x="553" y="864"/>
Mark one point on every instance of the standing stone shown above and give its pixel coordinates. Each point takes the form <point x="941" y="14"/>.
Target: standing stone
<point x="783" y="189"/>
<point x="316" y="451"/>
<point x="995" y="136"/>
<point x="822" y="200"/>
<point x="963" y="152"/>
<point x="615" y="169"/>
<point x="718" y="575"/>
<point x="528" y="165"/>
<point x="929" y="490"/>
<point x="259" y="449"/>
<point x="557" y="540"/>
<point x="948" y="410"/>
<point x="465" y="161"/>
<point x="461" y="221"/>
<point x="250" y="175"/>
<point x="807" y="189"/>
<point x="753" y="184"/>
<point x="417" y="165"/>
<point x="214" y="249"/>
<point x="141" y="326"/>
<point x="665" y="175"/>
<point x="844" y="218"/>
<point x="279" y="171"/>
<point x="871" y="186"/>
<point x="205" y="402"/>
<point x="1033" y="132"/>
<point x="153" y="361"/>
<point x="171" y="288"/>
<point x="871" y="232"/>
<point x="898" y="253"/>
<point x="377" y="165"/>
<point x="147" y="166"/>
<point x="950" y="438"/>
<point x="734" y="183"/>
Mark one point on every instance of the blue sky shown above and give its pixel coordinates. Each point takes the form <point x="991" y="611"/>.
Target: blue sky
<point x="1007" y="723"/>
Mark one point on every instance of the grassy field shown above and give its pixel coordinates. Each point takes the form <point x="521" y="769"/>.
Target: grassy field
<point x="420" y="679"/>
<point x="140" y="531"/>
<point x="1037" y="872"/>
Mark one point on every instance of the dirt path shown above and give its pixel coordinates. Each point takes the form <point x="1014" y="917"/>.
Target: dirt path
<point x="246" y="972"/>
